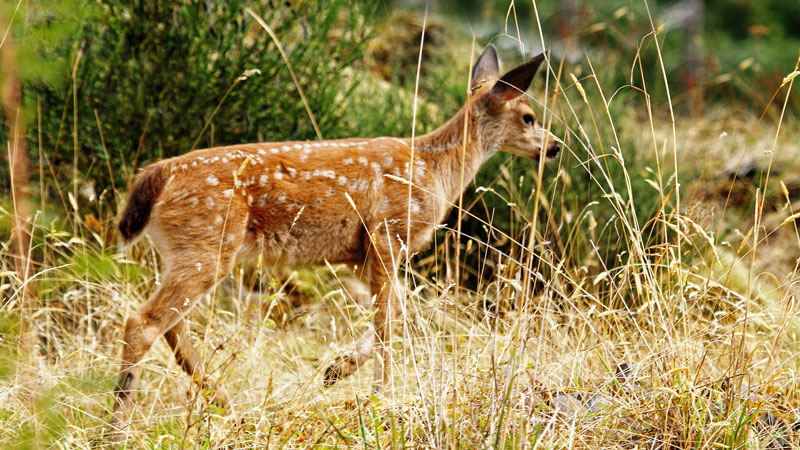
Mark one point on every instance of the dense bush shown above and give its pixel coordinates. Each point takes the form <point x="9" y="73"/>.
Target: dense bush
<point x="153" y="74"/>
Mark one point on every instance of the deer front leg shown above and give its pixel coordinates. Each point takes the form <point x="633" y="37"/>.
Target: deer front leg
<point x="384" y="281"/>
<point x="378" y="337"/>
<point x="346" y="365"/>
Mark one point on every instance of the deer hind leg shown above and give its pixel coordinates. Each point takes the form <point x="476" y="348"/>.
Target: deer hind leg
<point x="187" y="357"/>
<point x="183" y="284"/>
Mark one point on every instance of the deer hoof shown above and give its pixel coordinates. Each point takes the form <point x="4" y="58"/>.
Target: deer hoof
<point x="341" y="368"/>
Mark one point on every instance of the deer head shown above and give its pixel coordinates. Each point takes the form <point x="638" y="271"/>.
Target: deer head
<point x="504" y="117"/>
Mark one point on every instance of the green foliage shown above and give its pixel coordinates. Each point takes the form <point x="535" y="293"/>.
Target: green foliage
<point x="9" y="332"/>
<point x="45" y="31"/>
<point x="153" y="74"/>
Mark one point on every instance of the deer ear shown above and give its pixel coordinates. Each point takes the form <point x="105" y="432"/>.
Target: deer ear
<point x="487" y="66"/>
<point x="516" y="81"/>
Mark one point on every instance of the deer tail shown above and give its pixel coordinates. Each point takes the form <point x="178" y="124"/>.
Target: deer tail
<point x="146" y="189"/>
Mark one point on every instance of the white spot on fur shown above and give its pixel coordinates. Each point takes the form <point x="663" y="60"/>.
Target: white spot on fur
<point x="285" y="148"/>
<point x="199" y="266"/>
<point x="364" y="162"/>
<point x="387" y="160"/>
<point x="342" y="180"/>
<point x="218" y="220"/>
<point x="250" y="200"/>
<point x="298" y="146"/>
<point x="262" y="152"/>
<point x="420" y="167"/>
<point x="325" y="174"/>
<point x="347" y="161"/>
<point x="227" y="193"/>
<point x="415" y="208"/>
<point x="278" y="174"/>
<point x="274" y="151"/>
<point x="212" y="180"/>
<point x="306" y="175"/>
<point x="262" y="201"/>
<point x="262" y="180"/>
<point x="329" y="192"/>
<point x="224" y="159"/>
<point x="210" y="202"/>
<point x="281" y="197"/>
<point x="292" y="171"/>
<point x="194" y="201"/>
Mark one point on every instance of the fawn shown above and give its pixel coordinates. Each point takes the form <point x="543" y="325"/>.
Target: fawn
<point x="340" y="201"/>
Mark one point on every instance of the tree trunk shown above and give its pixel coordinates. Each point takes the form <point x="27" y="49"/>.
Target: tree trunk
<point x="694" y="58"/>
<point x="11" y="91"/>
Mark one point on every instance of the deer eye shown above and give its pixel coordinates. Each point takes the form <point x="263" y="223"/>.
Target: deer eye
<point x="528" y="119"/>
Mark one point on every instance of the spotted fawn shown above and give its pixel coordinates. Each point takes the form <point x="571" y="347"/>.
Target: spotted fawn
<point x="360" y="201"/>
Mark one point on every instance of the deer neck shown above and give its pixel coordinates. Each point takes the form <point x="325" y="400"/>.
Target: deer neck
<point x="453" y="159"/>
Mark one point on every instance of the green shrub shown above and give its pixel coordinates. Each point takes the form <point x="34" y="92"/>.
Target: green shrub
<point x="153" y="73"/>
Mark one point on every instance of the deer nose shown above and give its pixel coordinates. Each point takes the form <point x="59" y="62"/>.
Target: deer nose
<point x="553" y="151"/>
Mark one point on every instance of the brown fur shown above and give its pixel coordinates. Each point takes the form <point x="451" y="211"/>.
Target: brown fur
<point x="342" y="201"/>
